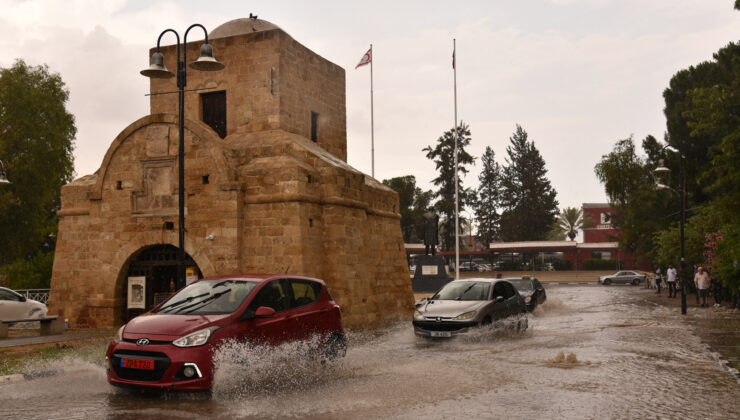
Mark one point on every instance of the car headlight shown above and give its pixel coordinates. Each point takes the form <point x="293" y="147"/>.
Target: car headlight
<point x="466" y="315"/>
<point x="527" y="299"/>
<point x="418" y="315"/>
<point x="119" y="335"/>
<point x="195" y="339"/>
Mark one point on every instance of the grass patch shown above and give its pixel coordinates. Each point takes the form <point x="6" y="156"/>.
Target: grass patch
<point x="22" y="359"/>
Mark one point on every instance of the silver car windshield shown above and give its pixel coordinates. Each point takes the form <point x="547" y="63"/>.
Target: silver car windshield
<point x="208" y="297"/>
<point x="463" y="290"/>
<point x="522" y="284"/>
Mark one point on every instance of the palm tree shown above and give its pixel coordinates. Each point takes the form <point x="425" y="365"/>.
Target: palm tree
<point x="570" y="220"/>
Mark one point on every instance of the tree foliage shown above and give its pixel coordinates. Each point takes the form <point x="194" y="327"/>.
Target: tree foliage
<point x="413" y="202"/>
<point x="488" y="200"/>
<point x="528" y="200"/>
<point x="36" y="143"/>
<point x="570" y="221"/>
<point x="443" y="155"/>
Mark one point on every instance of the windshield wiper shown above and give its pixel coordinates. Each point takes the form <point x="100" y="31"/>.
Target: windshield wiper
<point x="200" y="304"/>
<point x="181" y="301"/>
<point x="465" y="291"/>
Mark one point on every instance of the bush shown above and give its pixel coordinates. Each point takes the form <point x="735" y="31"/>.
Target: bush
<point x="602" y="264"/>
<point x="33" y="273"/>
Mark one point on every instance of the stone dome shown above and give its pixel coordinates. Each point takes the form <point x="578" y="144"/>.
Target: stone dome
<point x="240" y="27"/>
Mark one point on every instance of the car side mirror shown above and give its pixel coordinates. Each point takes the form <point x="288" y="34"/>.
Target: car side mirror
<point x="499" y="299"/>
<point x="23" y="298"/>
<point x="264" y="312"/>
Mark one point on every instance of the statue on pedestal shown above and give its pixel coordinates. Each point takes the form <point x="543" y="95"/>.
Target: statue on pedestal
<point x="431" y="232"/>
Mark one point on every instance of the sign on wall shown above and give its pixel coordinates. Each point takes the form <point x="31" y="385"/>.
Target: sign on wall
<point x="136" y="293"/>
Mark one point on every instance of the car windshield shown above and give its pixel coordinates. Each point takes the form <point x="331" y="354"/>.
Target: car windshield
<point x="463" y="290"/>
<point x="521" y="284"/>
<point x="210" y="297"/>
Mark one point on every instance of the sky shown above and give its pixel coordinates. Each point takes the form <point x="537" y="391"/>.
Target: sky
<point x="577" y="75"/>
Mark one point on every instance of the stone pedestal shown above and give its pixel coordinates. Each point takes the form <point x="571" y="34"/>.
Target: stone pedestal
<point x="430" y="274"/>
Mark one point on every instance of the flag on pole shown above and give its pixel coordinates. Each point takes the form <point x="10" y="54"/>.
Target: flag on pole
<point x="366" y="59"/>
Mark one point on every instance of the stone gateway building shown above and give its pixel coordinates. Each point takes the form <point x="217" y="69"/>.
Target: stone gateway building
<point x="268" y="190"/>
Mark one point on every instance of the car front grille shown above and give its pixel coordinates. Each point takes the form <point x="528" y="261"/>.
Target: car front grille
<point x="161" y="363"/>
<point x="443" y="326"/>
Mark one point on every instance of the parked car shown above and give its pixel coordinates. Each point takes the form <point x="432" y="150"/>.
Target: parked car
<point x="468" y="266"/>
<point x="171" y="347"/>
<point x="462" y="304"/>
<point x="631" y="277"/>
<point x="482" y="268"/>
<point x="531" y="290"/>
<point x="14" y="306"/>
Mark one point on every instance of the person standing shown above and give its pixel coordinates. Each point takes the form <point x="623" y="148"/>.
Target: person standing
<point x="658" y="279"/>
<point x="671" y="280"/>
<point x="693" y="276"/>
<point x="701" y="281"/>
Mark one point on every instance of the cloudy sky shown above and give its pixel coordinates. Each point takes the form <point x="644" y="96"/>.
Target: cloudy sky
<point x="577" y="75"/>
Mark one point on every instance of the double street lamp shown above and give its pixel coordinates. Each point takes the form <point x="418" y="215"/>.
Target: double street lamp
<point x="157" y="70"/>
<point x="661" y="169"/>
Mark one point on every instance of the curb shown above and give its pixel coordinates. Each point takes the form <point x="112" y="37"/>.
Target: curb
<point x="20" y="377"/>
<point x="724" y="364"/>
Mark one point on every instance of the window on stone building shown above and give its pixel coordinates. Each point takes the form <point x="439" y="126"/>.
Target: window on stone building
<point x="314" y="127"/>
<point x="214" y="111"/>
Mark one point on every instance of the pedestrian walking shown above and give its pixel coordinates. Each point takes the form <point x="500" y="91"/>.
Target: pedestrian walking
<point x="671" y="280"/>
<point x="658" y="279"/>
<point x="693" y="276"/>
<point x="702" y="282"/>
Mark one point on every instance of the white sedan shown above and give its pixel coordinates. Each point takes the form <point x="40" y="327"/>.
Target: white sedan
<point x="14" y="306"/>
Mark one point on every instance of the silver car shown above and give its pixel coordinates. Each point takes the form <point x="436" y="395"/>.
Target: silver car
<point x="462" y="304"/>
<point x="631" y="277"/>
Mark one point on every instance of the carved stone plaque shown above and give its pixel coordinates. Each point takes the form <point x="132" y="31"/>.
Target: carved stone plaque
<point x="160" y="189"/>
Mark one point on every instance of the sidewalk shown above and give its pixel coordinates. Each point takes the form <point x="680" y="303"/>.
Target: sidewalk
<point x="58" y="338"/>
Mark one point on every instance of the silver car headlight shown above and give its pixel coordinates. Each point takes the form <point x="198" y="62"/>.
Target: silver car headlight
<point x="195" y="339"/>
<point x="418" y="314"/>
<point x="466" y="315"/>
<point x="119" y="335"/>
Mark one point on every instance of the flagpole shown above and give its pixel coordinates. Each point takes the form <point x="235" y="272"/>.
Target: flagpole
<point x="372" y="117"/>
<point x="456" y="135"/>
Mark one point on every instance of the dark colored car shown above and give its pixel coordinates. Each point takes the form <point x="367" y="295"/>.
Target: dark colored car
<point x="462" y="304"/>
<point x="531" y="290"/>
<point x="172" y="346"/>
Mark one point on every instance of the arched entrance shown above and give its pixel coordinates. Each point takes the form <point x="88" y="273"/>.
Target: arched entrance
<point x="150" y="278"/>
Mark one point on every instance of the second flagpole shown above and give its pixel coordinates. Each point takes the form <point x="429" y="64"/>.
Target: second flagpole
<point x="457" y="224"/>
<point x="372" y="118"/>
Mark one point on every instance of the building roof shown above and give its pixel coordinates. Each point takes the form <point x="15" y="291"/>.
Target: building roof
<point x="533" y="244"/>
<point x="596" y="206"/>
<point x="241" y="26"/>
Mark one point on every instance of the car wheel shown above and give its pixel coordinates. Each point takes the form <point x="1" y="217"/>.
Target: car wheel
<point x="607" y="282"/>
<point x="486" y="321"/>
<point x="335" y="347"/>
<point x="522" y="324"/>
<point x="635" y="282"/>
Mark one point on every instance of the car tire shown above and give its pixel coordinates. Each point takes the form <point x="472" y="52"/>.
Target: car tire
<point x="486" y="321"/>
<point x="607" y="282"/>
<point x="335" y="347"/>
<point x="524" y="322"/>
<point x="635" y="282"/>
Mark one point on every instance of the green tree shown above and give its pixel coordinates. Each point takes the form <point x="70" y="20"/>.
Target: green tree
<point x="443" y="155"/>
<point x="413" y="202"/>
<point x="488" y="201"/>
<point x="570" y="221"/>
<point x="36" y="143"/>
<point x="528" y="200"/>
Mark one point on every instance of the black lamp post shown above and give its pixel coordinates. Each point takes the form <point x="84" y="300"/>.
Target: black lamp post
<point x="157" y="70"/>
<point x="682" y="194"/>
<point x="3" y="175"/>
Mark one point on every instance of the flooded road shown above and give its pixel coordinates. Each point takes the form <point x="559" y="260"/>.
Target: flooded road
<point x="589" y="352"/>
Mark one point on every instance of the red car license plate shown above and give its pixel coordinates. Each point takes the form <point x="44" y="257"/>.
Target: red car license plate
<point x="137" y="364"/>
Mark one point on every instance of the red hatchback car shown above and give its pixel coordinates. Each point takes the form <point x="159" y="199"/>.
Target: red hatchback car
<point x="172" y="346"/>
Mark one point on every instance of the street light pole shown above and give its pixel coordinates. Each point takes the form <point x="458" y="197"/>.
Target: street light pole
<point x="157" y="70"/>
<point x="682" y="195"/>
